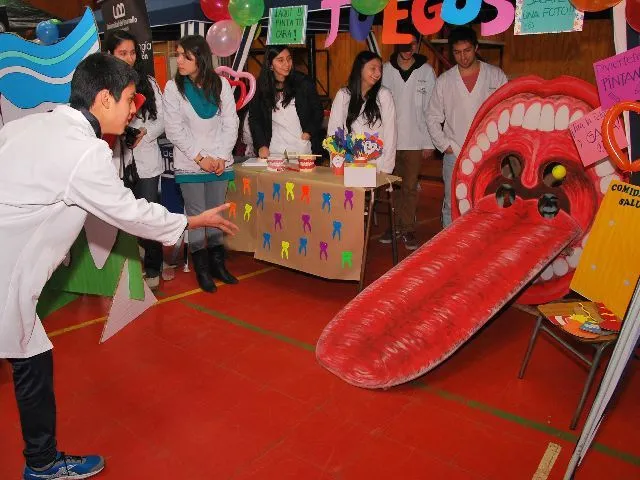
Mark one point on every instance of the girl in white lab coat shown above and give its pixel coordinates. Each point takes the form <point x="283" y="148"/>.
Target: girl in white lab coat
<point x="365" y="106"/>
<point x="149" y="122"/>
<point x="286" y="113"/>
<point x="201" y="122"/>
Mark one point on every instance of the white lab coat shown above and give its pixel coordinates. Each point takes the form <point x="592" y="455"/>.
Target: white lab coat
<point x="454" y="105"/>
<point x="191" y="134"/>
<point x="149" y="161"/>
<point x="55" y="171"/>
<point x="412" y="101"/>
<point x="386" y="128"/>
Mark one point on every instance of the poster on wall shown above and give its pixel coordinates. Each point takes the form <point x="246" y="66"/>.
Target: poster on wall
<point x="546" y="16"/>
<point x="131" y="15"/>
<point x="287" y="25"/>
<point x="618" y="78"/>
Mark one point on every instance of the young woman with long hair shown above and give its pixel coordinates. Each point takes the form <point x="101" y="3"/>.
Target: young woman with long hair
<point x="149" y="121"/>
<point x="285" y="113"/>
<point x="202" y="124"/>
<point x="365" y="106"/>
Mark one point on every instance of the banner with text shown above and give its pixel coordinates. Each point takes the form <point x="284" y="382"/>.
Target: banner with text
<point x="546" y="16"/>
<point x="287" y="25"/>
<point x="131" y="16"/>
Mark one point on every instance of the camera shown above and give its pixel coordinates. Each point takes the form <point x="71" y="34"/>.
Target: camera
<point x="130" y="135"/>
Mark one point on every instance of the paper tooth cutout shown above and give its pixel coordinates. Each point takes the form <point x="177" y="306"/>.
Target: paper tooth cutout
<point x="124" y="309"/>
<point x="337" y="230"/>
<point x="276" y="191"/>
<point x="326" y="201"/>
<point x="101" y="237"/>
<point x="348" y="198"/>
<point x="260" y="202"/>
<point x="284" y="251"/>
<point x="347" y="258"/>
<point x="247" y="211"/>
<point x="246" y="186"/>
<point x="303" y="246"/>
<point x="231" y="186"/>
<point x="324" y="246"/>
<point x="232" y="209"/>
<point x="306" y="194"/>
<point x="266" y="240"/>
<point x="277" y="220"/>
<point x="289" y="186"/>
<point x="306" y="222"/>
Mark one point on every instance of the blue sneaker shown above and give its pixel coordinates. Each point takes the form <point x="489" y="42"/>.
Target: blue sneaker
<point x="67" y="466"/>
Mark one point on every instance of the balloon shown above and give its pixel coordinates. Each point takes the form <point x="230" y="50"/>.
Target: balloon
<point x="216" y="10"/>
<point x="559" y="172"/>
<point x="369" y="7"/>
<point x="609" y="139"/>
<point x="633" y="14"/>
<point x="359" y="30"/>
<point x="47" y="32"/>
<point x="246" y="12"/>
<point x="224" y="38"/>
<point x="594" y="5"/>
<point x="244" y="97"/>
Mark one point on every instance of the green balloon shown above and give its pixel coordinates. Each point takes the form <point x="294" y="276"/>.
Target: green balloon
<point x="369" y="7"/>
<point x="246" y="12"/>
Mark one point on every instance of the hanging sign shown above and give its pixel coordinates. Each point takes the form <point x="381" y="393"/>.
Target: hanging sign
<point x="587" y="135"/>
<point x="546" y="16"/>
<point x="618" y="78"/>
<point x="287" y="25"/>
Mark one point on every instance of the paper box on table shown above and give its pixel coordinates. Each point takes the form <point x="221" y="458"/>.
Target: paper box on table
<point x="360" y="176"/>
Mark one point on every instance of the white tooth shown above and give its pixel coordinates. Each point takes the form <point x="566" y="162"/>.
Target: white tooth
<point x="464" y="206"/>
<point x="604" y="168"/>
<point x="574" y="258"/>
<point x="483" y="142"/>
<point x="475" y="154"/>
<point x="604" y="183"/>
<point x="467" y="166"/>
<point x="547" y="273"/>
<point x="461" y="191"/>
<point x="532" y="117"/>
<point x="547" y="118"/>
<point x="562" y="118"/>
<point x="503" y="121"/>
<point x="517" y="115"/>
<point x="584" y="240"/>
<point x="560" y="267"/>
<point x="492" y="131"/>
<point x="577" y="115"/>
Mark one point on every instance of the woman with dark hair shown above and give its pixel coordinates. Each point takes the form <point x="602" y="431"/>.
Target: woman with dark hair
<point x="285" y="113"/>
<point x="365" y="106"/>
<point x="149" y="122"/>
<point x="202" y="123"/>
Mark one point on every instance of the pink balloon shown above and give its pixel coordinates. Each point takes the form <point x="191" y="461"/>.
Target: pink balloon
<point x="216" y="10"/>
<point x="232" y="74"/>
<point x="224" y="38"/>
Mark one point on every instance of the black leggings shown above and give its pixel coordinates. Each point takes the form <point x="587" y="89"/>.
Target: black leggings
<point x="33" y="382"/>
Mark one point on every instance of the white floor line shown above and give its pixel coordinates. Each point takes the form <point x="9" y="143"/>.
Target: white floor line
<point x="546" y="463"/>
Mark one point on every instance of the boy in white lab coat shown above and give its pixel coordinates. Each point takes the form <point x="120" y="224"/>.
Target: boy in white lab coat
<point x="411" y="81"/>
<point x="459" y="93"/>
<point x="56" y="171"/>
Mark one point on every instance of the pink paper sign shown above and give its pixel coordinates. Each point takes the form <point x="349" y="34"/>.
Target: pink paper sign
<point x="618" y="78"/>
<point x="587" y="135"/>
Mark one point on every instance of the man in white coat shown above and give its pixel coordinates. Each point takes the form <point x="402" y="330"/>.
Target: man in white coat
<point x="56" y="171"/>
<point x="411" y="81"/>
<point x="459" y="93"/>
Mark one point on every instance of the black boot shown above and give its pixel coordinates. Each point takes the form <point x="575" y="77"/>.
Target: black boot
<point x="217" y="266"/>
<point x="202" y="271"/>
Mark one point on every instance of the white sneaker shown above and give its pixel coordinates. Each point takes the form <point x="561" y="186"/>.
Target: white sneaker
<point x="153" y="282"/>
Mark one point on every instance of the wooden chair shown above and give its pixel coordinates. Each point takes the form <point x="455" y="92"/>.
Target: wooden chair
<point x="600" y="344"/>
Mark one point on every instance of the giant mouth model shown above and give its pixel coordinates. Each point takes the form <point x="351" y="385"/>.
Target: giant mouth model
<point x="516" y="225"/>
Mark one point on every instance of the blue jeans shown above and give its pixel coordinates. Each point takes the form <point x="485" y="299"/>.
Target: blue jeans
<point x="448" y="162"/>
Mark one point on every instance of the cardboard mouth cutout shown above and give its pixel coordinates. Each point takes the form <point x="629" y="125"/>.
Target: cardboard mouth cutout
<point x="522" y="205"/>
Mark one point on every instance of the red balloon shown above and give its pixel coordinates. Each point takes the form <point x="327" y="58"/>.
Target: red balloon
<point x="633" y="14"/>
<point x="216" y="10"/>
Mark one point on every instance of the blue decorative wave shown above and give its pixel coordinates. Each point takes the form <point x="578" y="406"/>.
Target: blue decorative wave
<point x="31" y="74"/>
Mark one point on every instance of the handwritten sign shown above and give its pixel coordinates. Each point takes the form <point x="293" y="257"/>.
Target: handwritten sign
<point x="618" y="77"/>
<point x="546" y="16"/>
<point x="287" y="25"/>
<point x="587" y="135"/>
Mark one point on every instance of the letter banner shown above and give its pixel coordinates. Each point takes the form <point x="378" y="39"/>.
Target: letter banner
<point x="131" y="15"/>
<point x="546" y="16"/>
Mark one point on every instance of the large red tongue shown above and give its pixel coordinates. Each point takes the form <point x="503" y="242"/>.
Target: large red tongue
<point x="417" y="314"/>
